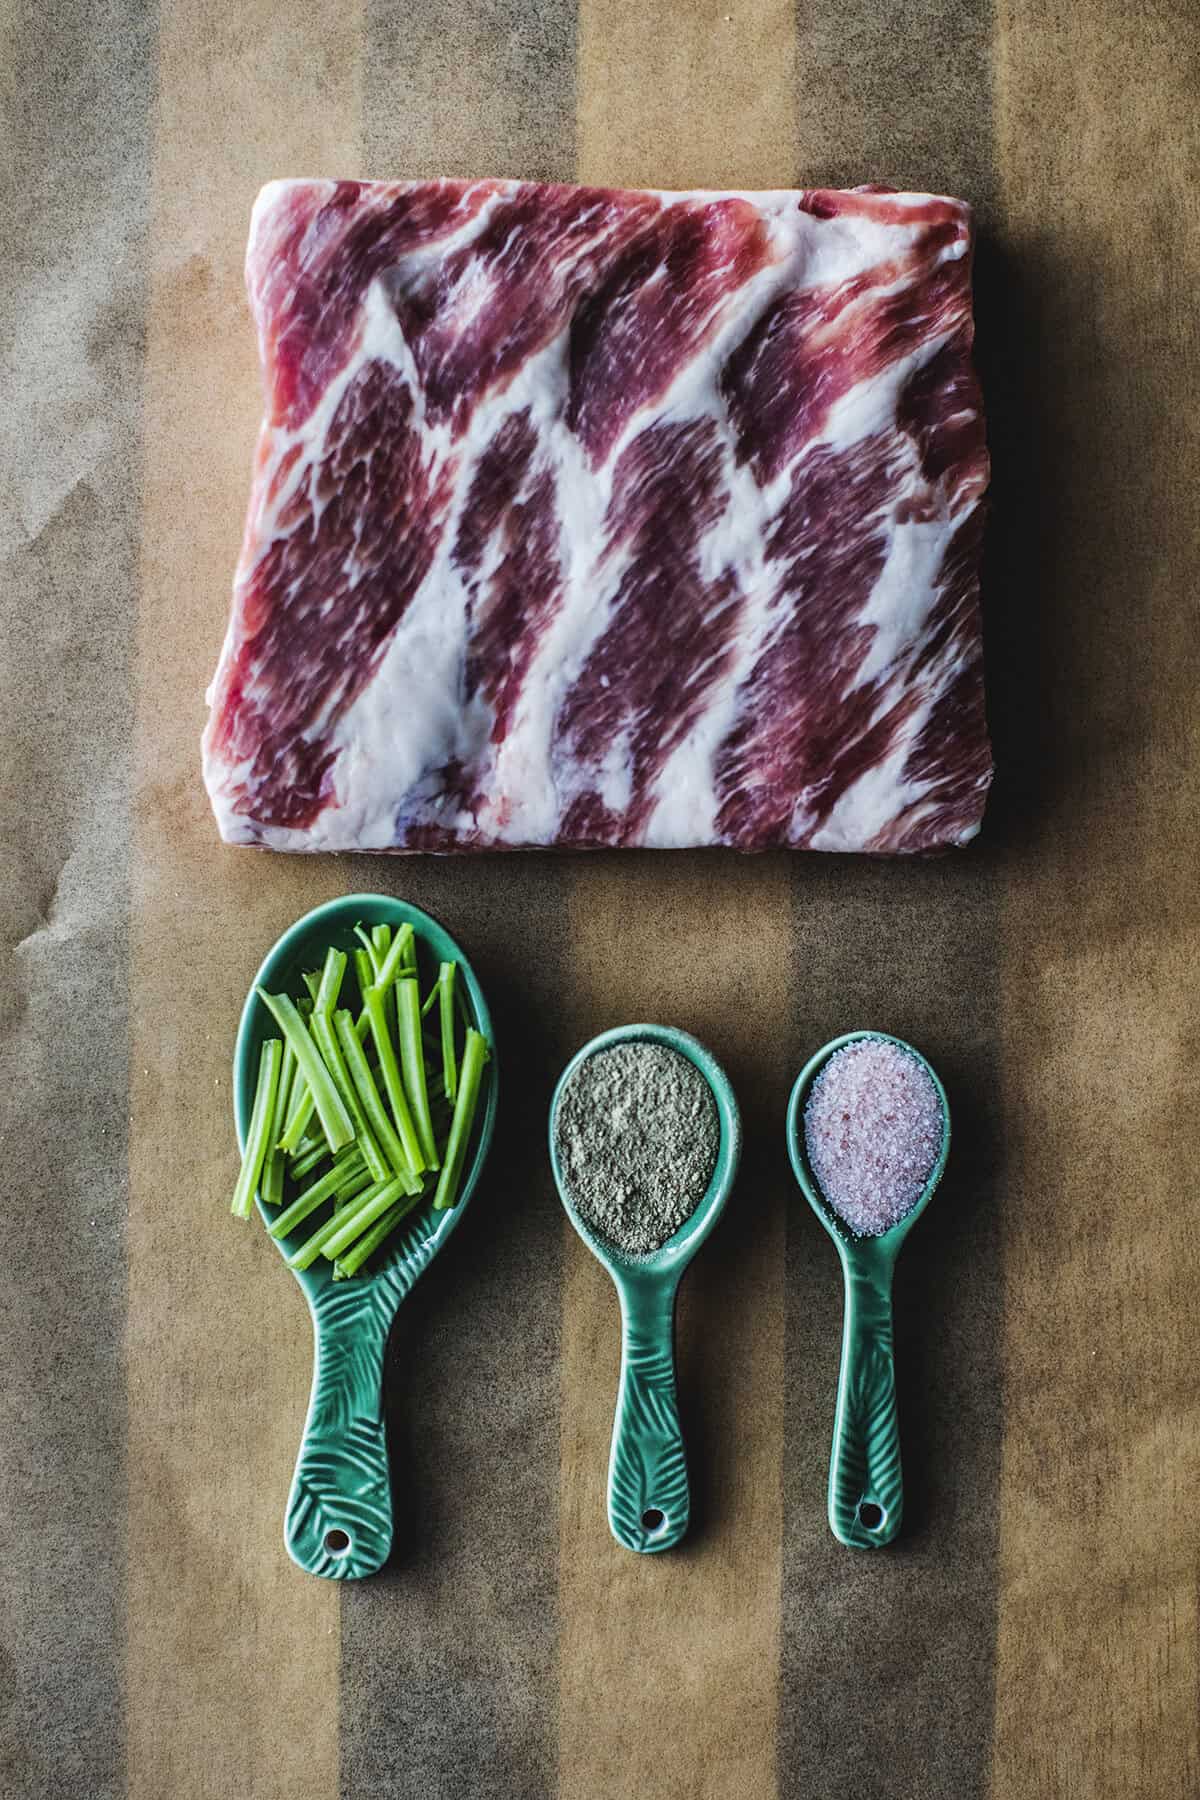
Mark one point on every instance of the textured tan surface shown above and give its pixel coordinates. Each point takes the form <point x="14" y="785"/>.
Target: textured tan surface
<point x="695" y="95"/>
<point x="218" y="1343"/>
<point x="1100" y="1606"/>
<point x="1034" y="1636"/>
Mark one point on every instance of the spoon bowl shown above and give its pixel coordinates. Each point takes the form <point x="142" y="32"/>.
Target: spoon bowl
<point x="648" y="1492"/>
<point x="339" y="1513"/>
<point x="866" y="1487"/>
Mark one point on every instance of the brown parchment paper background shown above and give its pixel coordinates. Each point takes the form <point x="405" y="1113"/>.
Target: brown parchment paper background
<point x="1035" y="1632"/>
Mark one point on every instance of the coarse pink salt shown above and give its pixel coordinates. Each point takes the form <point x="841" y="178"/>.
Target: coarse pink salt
<point x="873" y="1128"/>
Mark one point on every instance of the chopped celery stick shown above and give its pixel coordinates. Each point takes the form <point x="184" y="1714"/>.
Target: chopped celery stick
<point x="299" y="1097"/>
<point x="335" y="1120"/>
<point x="312" y="982"/>
<point x="299" y="1090"/>
<point x="369" y="1242"/>
<point x="368" y="1098"/>
<point x="446" y="992"/>
<point x="390" y="1070"/>
<point x="311" y="1248"/>
<point x="306" y="1160"/>
<point x="368" y="950"/>
<point x="355" y="1220"/>
<point x="297" y="1125"/>
<point x="364" y="969"/>
<point x="348" y="1176"/>
<point x="412" y="1062"/>
<point x="271" y="1187"/>
<point x="475" y="1055"/>
<point x="326" y="1039"/>
<point x="258" y="1137"/>
<point x="326" y="996"/>
<point x="431" y="999"/>
<point x="381" y="937"/>
<point x="397" y="958"/>
<point x="287" y="1086"/>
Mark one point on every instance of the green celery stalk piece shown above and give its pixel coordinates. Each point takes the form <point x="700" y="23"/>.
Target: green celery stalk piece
<point x="390" y="1070"/>
<point x="312" y="981"/>
<point x="464" y="1010"/>
<point x="364" y="969"/>
<point x="381" y="942"/>
<point x="475" y="1055"/>
<point x="397" y="959"/>
<point x="348" y="1177"/>
<point x="325" y="1038"/>
<point x="381" y="936"/>
<point x="364" y="1212"/>
<point x="296" y="1098"/>
<point x="412" y="1063"/>
<point x="298" y="1133"/>
<point x="298" y="1095"/>
<point x="332" y="975"/>
<point x="287" y="1087"/>
<point x="431" y="998"/>
<point x="336" y="1122"/>
<point x="298" y="1124"/>
<point x="369" y="1242"/>
<point x="367" y="941"/>
<point x="271" y="1187"/>
<point x="345" y="1221"/>
<point x="446" y="992"/>
<point x="258" y="1137"/>
<point x="368" y="1099"/>
<point x="305" y="1161"/>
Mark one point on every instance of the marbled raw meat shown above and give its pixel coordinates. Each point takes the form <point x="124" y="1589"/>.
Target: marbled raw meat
<point x="587" y="517"/>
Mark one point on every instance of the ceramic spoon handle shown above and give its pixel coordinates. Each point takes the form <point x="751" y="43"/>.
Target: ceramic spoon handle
<point x="866" y="1490"/>
<point x="648" y="1500"/>
<point x="339" y="1515"/>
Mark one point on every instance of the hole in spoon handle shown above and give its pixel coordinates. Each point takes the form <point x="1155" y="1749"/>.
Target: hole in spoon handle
<point x="339" y="1515"/>
<point x="866" y="1488"/>
<point x="648" y="1499"/>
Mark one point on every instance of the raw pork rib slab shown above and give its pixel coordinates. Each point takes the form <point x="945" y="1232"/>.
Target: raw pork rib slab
<point x="584" y="517"/>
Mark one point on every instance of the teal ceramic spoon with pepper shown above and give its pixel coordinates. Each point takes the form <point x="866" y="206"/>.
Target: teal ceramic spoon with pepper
<point x="339" y="1512"/>
<point x="649" y="1502"/>
<point x="866" y="1488"/>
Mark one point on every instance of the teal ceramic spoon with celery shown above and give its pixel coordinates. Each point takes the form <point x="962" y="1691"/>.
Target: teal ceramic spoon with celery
<point x="649" y="1501"/>
<point x="866" y="1487"/>
<point x="339" y="1512"/>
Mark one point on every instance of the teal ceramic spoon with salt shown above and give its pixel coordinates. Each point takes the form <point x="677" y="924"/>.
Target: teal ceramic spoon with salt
<point x="866" y="1487"/>
<point x="339" y="1512"/>
<point x="649" y="1500"/>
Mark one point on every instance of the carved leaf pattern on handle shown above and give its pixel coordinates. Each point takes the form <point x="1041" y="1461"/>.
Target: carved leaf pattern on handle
<point x="342" y="1483"/>
<point x="865" y="1466"/>
<point x="648" y="1465"/>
